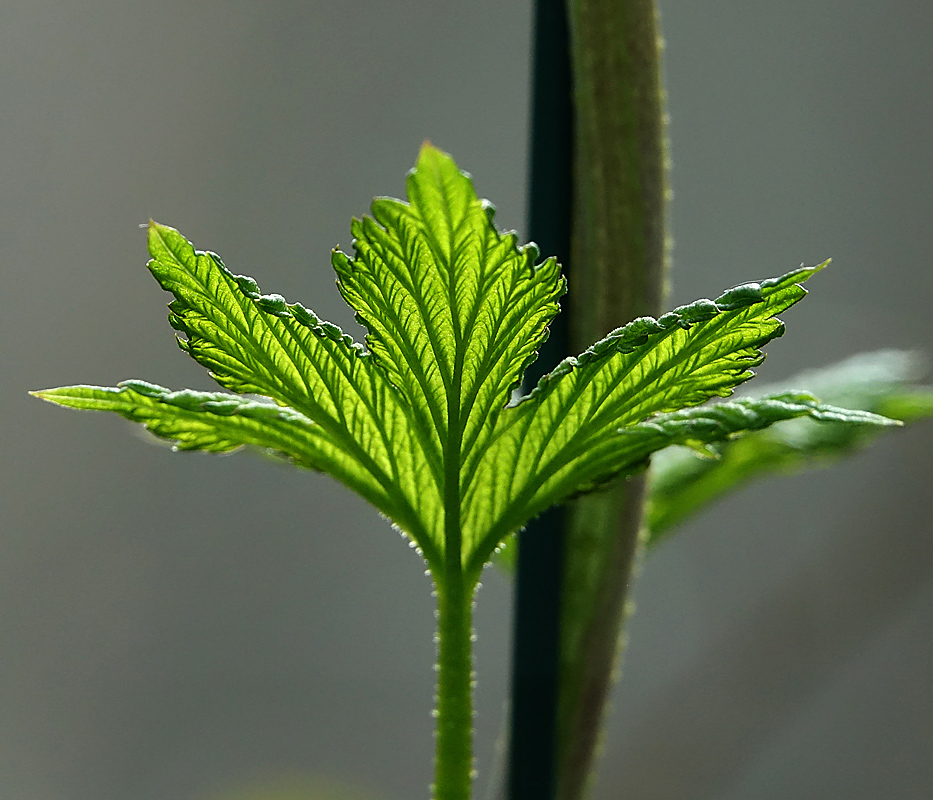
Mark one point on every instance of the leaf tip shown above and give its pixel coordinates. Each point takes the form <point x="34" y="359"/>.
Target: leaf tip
<point x="431" y="150"/>
<point x="160" y="238"/>
<point x="431" y="157"/>
<point x="157" y="228"/>
<point x="427" y="151"/>
<point x="50" y="395"/>
<point x="806" y="271"/>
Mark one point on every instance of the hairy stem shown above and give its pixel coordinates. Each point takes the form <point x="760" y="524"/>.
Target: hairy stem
<point x="453" y="761"/>
<point x="620" y="249"/>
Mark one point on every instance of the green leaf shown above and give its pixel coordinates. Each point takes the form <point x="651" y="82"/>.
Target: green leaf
<point x="259" y="344"/>
<point x="562" y="438"/>
<point x="262" y="345"/>
<point x="421" y="422"/>
<point x="883" y="382"/>
<point x="218" y="422"/>
<point x="455" y="312"/>
<point x="455" y="309"/>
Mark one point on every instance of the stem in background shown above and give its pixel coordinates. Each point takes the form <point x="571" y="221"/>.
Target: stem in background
<point x="621" y="165"/>
<point x="620" y="253"/>
<point x="536" y="643"/>
<point x="453" y="760"/>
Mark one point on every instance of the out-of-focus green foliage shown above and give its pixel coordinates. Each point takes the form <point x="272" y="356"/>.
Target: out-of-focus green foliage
<point x="294" y="788"/>
<point x="683" y="483"/>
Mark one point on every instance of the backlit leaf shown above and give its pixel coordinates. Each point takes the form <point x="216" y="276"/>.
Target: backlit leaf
<point x="420" y="421"/>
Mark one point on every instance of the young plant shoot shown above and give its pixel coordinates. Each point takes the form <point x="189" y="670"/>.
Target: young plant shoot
<point x="421" y="420"/>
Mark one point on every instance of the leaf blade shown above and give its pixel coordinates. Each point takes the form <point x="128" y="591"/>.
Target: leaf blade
<point x="260" y="344"/>
<point x="628" y="451"/>
<point x="217" y="422"/>
<point x="213" y="422"/>
<point x="455" y="309"/>
<point x="648" y="367"/>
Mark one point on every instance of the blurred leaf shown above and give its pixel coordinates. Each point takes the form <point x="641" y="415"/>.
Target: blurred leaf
<point x="294" y="788"/>
<point x="683" y="483"/>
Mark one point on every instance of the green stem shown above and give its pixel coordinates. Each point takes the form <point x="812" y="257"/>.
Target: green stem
<point x="620" y="239"/>
<point x="620" y="253"/>
<point x="453" y="761"/>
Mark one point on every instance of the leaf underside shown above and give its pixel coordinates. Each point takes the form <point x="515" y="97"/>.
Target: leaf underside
<point x="420" y="421"/>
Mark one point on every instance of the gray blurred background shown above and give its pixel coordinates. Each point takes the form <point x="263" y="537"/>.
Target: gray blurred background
<point x="181" y="626"/>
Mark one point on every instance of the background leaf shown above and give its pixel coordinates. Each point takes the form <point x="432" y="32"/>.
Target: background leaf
<point x="882" y="382"/>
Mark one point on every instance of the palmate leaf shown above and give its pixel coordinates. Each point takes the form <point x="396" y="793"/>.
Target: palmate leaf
<point x="420" y="422"/>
